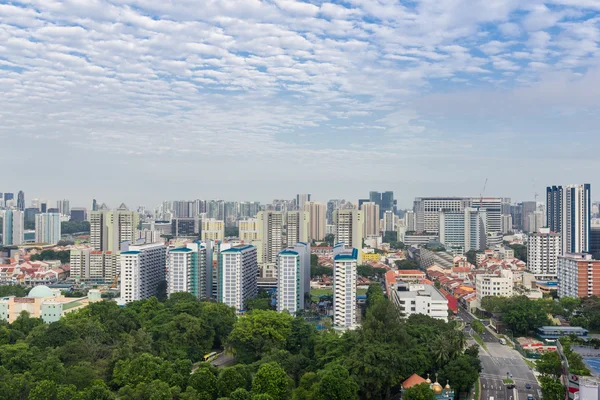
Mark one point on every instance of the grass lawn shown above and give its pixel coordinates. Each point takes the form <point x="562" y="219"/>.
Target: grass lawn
<point x="477" y="388"/>
<point x="479" y="340"/>
<point x="315" y="293"/>
<point x="508" y="381"/>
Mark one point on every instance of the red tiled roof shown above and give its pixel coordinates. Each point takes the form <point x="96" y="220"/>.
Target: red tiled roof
<point x="410" y="272"/>
<point x="413" y="380"/>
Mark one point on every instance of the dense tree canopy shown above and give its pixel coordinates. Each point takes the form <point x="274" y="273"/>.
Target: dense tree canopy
<point x="48" y="255"/>
<point x="70" y="227"/>
<point x="521" y="314"/>
<point x="148" y="350"/>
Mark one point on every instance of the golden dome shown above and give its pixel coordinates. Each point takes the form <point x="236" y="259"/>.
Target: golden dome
<point x="447" y="386"/>
<point x="437" y="388"/>
<point x="428" y="380"/>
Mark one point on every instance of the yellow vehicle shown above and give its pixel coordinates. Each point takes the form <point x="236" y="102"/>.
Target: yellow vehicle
<point x="210" y="356"/>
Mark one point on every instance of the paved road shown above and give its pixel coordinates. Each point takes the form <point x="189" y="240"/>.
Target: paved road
<point x="469" y="318"/>
<point x="499" y="360"/>
<point x="223" y="360"/>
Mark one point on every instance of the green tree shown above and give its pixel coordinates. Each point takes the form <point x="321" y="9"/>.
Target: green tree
<point x="330" y="238"/>
<point x="240" y="394"/>
<point x="320" y="270"/>
<point x="314" y="260"/>
<point x="552" y="389"/>
<point x="258" y="332"/>
<point x="477" y="327"/>
<point x="406" y="264"/>
<point x="520" y="251"/>
<point x="550" y="364"/>
<point x="335" y="384"/>
<point x="471" y="257"/>
<point x="462" y="372"/>
<point x="43" y="390"/>
<point x="419" y="392"/>
<point x="232" y="231"/>
<point x="229" y="380"/>
<point x="203" y="380"/>
<point x="271" y="379"/>
<point x="569" y="304"/>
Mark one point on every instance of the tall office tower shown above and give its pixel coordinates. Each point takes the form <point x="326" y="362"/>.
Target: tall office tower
<point x="35" y="203"/>
<point x="578" y="275"/>
<point x="293" y="283"/>
<point x="47" y="228"/>
<point x="13" y="223"/>
<point x="21" y="200"/>
<point x="536" y="221"/>
<point x="507" y="223"/>
<point x="1" y="199"/>
<point x="543" y="249"/>
<point x="248" y="230"/>
<point x="427" y="211"/>
<point x="43" y="206"/>
<point x="493" y="207"/>
<point x="30" y="214"/>
<point x="108" y="229"/>
<point x="389" y="221"/>
<point x="387" y="203"/>
<point x="370" y="212"/>
<point x="8" y="197"/>
<point x="554" y="208"/>
<point x="595" y="242"/>
<point x="183" y="209"/>
<point x="527" y="208"/>
<point x="231" y="209"/>
<point x="212" y="229"/>
<point x="302" y="199"/>
<point x="94" y="205"/>
<point x="345" y="261"/>
<point x="466" y="229"/>
<point x="185" y="227"/>
<point x="78" y="214"/>
<point x="349" y="228"/>
<point x="63" y="207"/>
<point x="516" y="212"/>
<point x="317" y="215"/>
<point x="270" y="227"/>
<point x="577" y="219"/>
<point x="409" y="221"/>
<point x="142" y="270"/>
<point x="238" y="271"/>
<point x="297" y="227"/>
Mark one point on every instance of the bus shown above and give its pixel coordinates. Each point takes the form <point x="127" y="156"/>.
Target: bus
<point x="210" y="356"/>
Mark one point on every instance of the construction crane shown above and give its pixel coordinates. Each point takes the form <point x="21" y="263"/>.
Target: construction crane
<point x="482" y="193"/>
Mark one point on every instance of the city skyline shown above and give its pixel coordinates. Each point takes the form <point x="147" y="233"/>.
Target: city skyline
<point x="131" y="100"/>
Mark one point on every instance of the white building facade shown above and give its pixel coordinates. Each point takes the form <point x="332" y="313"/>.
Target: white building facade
<point x="293" y="282"/>
<point x="419" y="299"/>
<point x="142" y="269"/>
<point x="47" y="228"/>
<point x="494" y="285"/>
<point x="543" y="249"/>
<point x="238" y="270"/>
<point x="344" y="287"/>
<point x="13" y="223"/>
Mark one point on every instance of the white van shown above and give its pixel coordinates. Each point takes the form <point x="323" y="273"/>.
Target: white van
<point x="502" y="341"/>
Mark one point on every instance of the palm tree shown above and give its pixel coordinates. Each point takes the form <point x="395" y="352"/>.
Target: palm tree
<point x="440" y="349"/>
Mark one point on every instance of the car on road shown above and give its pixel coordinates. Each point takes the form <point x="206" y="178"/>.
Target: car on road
<point x="527" y="386"/>
<point x="529" y="397"/>
<point x="502" y="341"/>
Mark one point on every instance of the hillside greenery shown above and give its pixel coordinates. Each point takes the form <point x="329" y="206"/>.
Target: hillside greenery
<point x="147" y="350"/>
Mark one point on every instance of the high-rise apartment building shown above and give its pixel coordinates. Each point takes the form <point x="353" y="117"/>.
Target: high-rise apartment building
<point x="494" y="207"/>
<point x="185" y="227"/>
<point x="302" y="199"/>
<point x="466" y="229"/>
<point x="370" y="212"/>
<point x="293" y="283"/>
<point x="297" y="227"/>
<point x="270" y="227"/>
<point x="568" y="211"/>
<point x="409" y="221"/>
<point x="554" y="208"/>
<point x="527" y="208"/>
<point x="507" y="223"/>
<point x="21" y="201"/>
<point x="213" y="229"/>
<point x="344" y="287"/>
<point x="13" y="224"/>
<point x="94" y="265"/>
<point x="47" y="228"/>
<point x="543" y="249"/>
<point x="578" y="275"/>
<point x="63" y="207"/>
<point x="249" y="209"/>
<point x="318" y="216"/>
<point x="248" y="230"/>
<point x="189" y="269"/>
<point x="349" y="228"/>
<point x="237" y="276"/>
<point x="389" y="221"/>
<point x="108" y="229"/>
<point x="142" y="270"/>
<point x="535" y="221"/>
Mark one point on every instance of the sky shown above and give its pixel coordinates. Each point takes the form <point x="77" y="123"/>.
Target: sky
<point x="138" y="101"/>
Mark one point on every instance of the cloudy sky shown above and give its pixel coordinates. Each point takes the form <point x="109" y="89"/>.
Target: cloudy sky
<point x="144" y="100"/>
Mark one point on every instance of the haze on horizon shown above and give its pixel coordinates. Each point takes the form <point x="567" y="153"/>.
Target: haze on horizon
<point x="139" y="101"/>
